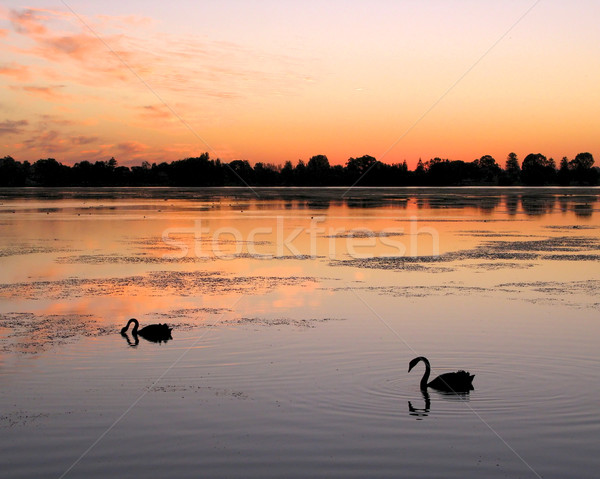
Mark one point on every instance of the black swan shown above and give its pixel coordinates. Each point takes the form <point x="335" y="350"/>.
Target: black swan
<point x="460" y="381"/>
<point x="152" y="332"/>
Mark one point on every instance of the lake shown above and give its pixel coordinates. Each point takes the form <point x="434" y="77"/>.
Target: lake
<point x="295" y="313"/>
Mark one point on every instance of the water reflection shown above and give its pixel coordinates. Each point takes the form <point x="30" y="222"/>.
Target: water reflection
<point x="420" y="413"/>
<point x="529" y="201"/>
<point x="318" y="205"/>
<point x="366" y="203"/>
<point x="133" y="343"/>
<point x="152" y="339"/>
<point x="512" y="204"/>
<point x="583" y="210"/>
<point x="534" y="205"/>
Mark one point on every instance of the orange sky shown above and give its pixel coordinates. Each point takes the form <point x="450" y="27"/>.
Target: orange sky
<point x="275" y="81"/>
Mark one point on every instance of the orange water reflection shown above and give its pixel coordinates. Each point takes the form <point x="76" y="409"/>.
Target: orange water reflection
<point x="181" y="256"/>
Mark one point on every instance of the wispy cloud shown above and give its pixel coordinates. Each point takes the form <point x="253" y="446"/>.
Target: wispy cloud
<point x="128" y="21"/>
<point x="28" y="21"/>
<point x="47" y="142"/>
<point x="45" y="120"/>
<point x="80" y="47"/>
<point x="12" y="127"/>
<point x="84" y="140"/>
<point x="218" y="69"/>
<point x="80" y="70"/>
<point x="14" y="70"/>
<point x="131" y="148"/>
<point x="155" y="111"/>
<point x="46" y="92"/>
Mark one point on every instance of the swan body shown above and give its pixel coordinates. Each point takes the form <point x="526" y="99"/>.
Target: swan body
<point x="460" y="381"/>
<point x="152" y="332"/>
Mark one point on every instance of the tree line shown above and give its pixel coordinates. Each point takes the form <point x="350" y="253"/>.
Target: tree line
<point x="534" y="170"/>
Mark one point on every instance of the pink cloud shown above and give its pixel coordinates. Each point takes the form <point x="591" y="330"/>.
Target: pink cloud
<point x="80" y="46"/>
<point x="181" y="149"/>
<point x="47" y="142"/>
<point x="131" y="148"/>
<point x="179" y="64"/>
<point x="155" y="111"/>
<point x="61" y="52"/>
<point x="28" y="22"/>
<point x="19" y="72"/>
<point x="127" y="20"/>
<point x="46" y="119"/>
<point x="12" y="127"/>
<point x="83" y="140"/>
<point x="46" y="92"/>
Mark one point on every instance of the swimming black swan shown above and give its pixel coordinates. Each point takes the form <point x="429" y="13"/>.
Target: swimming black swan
<point x="460" y="381"/>
<point x="152" y="332"/>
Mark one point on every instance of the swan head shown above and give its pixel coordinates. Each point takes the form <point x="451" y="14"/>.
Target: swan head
<point x="416" y="361"/>
<point x="132" y="320"/>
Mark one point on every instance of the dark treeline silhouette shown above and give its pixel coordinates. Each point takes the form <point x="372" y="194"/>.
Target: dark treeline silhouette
<point x="534" y="170"/>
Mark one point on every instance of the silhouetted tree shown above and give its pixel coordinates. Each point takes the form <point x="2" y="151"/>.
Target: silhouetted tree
<point x="49" y="172"/>
<point x="287" y="174"/>
<point x="583" y="160"/>
<point x="564" y="175"/>
<point x="198" y="171"/>
<point x="358" y="167"/>
<point x="13" y="173"/>
<point x="537" y="170"/>
<point x="239" y="172"/>
<point x="266" y="174"/>
<point x="581" y="169"/>
<point x="318" y="170"/>
<point x="366" y="170"/>
<point x="419" y="176"/>
<point x="441" y="172"/>
<point x="489" y="170"/>
<point x="512" y="168"/>
<point x="300" y="174"/>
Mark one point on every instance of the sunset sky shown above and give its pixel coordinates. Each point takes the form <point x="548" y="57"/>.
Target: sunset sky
<point x="285" y="80"/>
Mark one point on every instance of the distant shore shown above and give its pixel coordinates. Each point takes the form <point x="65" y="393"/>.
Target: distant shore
<point x="202" y="171"/>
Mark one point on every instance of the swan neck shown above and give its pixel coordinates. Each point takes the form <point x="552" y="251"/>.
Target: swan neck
<point x="136" y="324"/>
<point x="425" y="377"/>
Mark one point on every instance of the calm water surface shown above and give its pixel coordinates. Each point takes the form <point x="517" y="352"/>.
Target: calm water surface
<point x="295" y="314"/>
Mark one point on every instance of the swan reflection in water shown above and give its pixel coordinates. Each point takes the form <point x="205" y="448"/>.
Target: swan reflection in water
<point x="156" y="333"/>
<point x="131" y="343"/>
<point x="420" y="413"/>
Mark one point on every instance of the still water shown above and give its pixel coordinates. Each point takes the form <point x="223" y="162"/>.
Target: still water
<point x="295" y="313"/>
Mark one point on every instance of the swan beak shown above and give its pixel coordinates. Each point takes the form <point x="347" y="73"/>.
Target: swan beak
<point x="413" y="363"/>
